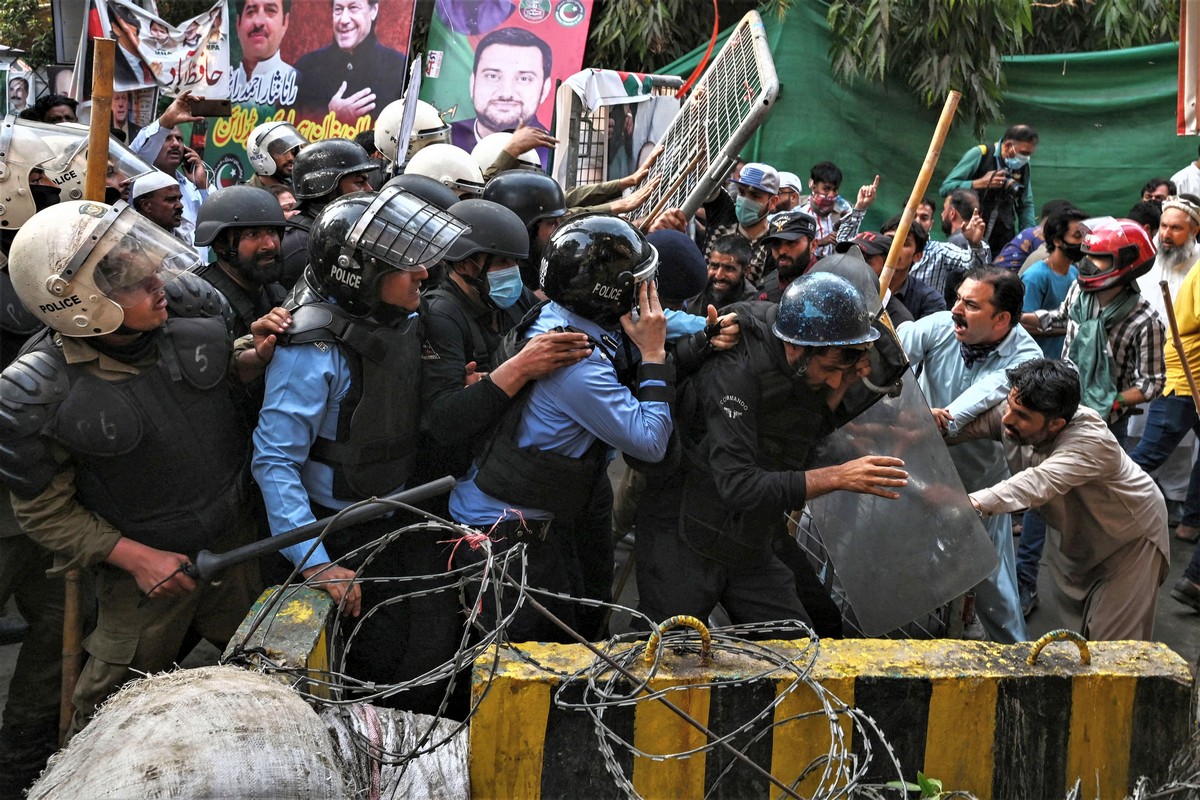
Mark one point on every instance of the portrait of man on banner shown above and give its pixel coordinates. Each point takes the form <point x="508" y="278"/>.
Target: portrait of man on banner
<point x="355" y="74"/>
<point x="510" y="80"/>
<point x="18" y="92"/>
<point x="492" y="66"/>
<point x="262" y="77"/>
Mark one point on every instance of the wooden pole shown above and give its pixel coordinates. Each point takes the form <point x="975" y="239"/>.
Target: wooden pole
<point x="72" y="648"/>
<point x="93" y="189"/>
<point x="1178" y="343"/>
<point x="102" y="95"/>
<point x="918" y="192"/>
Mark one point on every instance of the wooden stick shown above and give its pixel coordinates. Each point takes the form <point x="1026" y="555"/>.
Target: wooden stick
<point x="918" y="192"/>
<point x="102" y="95"/>
<point x="93" y="189"/>
<point x="1178" y="343"/>
<point x="72" y="648"/>
<point x="658" y="208"/>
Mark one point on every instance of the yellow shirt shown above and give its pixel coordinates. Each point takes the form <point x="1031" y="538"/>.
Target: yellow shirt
<point x="1187" y="316"/>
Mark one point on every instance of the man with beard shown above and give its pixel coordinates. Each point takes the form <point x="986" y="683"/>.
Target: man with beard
<point x="157" y="197"/>
<point x="244" y="226"/>
<point x="1110" y="550"/>
<point x="355" y="73"/>
<point x="1171" y="416"/>
<point x="963" y="354"/>
<point x="790" y="237"/>
<point x="509" y="81"/>
<point x="271" y="149"/>
<point x="727" y="262"/>
<point x="748" y="214"/>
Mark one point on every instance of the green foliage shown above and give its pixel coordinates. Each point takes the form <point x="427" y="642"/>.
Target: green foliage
<point x="939" y="45"/>
<point x="25" y="25"/>
<point x="640" y="35"/>
<point x="930" y="788"/>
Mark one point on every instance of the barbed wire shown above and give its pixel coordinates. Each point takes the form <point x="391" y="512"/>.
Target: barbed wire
<point x="617" y="676"/>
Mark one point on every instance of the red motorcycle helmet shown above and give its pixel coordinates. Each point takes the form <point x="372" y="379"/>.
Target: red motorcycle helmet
<point x="1122" y="240"/>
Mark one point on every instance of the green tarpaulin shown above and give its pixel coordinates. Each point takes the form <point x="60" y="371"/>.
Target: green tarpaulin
<point x="1106" y="120"/>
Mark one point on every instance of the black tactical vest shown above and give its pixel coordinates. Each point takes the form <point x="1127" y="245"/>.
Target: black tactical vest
<point x="162" y="456"/>
<point x="379" y="418"/>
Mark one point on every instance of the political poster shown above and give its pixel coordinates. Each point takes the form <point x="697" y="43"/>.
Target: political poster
<point x="152" y="53"/>
<point x="327" y="66"/>
<point x="493" y="65"/>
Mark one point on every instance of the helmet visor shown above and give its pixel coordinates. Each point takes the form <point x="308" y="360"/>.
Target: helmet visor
<point x="404" y="231"/>
<point x="281" y="139"/>
<point x="59" y="149"/>
<point x="134" y="257"/>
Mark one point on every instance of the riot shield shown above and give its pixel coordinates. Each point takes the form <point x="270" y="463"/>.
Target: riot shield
<point x="897" y="560"/>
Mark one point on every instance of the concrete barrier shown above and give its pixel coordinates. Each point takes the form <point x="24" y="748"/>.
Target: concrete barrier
<point x="974" y="715"/>
<point x="296" y="635"/>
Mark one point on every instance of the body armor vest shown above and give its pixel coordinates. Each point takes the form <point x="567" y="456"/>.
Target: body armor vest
<point x="162" y="456"/>
<point x="379" y="418"/>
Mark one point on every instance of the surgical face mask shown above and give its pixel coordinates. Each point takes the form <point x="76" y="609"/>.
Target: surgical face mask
<point x="504" y="286"/>
<point x="1016" y="161"/>
<point x="748" y="211"/>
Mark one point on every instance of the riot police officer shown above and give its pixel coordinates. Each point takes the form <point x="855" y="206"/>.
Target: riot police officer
<point x="323" y="171"/>
<point x="713" y="531"/>
<point x="540" y="203"/>
<point x="342" y="406"/>
<point x="244" y="227"/>
<point x="271" y="149"/>
<point x="548" y="455"/>
<point x="124" y="447"/>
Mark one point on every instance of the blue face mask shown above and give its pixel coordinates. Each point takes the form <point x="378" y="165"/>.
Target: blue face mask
<point x="1016" y="162"/>
<point x="504" y="286"/>
<point x="748" y="211"/>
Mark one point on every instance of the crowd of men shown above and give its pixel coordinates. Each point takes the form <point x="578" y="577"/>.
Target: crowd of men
<point x="218" y="366"/>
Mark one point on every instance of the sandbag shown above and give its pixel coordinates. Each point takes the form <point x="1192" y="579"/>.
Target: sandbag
<point x="373" y="746"/>
<point x="207" y="732"/>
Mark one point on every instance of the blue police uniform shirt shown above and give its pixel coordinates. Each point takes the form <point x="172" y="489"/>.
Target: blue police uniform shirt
<point x="567" y="411"/>
<point x="305" y="386"/>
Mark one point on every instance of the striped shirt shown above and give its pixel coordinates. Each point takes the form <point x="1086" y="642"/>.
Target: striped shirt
<point x="940" y="259"/>
<point x="1135" y="344"/>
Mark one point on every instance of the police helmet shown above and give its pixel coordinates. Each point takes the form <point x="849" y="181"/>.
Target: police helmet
<point x="821" y="309"/>
<point x="238" y="207"/>
<point x="535" y="196"/>
<point x="362" y="236"/>
<point x="322" y="164"/>
<point x="593" y="264"/>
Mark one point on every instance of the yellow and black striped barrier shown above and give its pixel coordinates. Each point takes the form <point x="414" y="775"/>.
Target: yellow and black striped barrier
<point x="976" y="716"/>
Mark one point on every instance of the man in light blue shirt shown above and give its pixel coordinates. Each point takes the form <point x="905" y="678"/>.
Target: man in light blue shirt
<point x="546" y="458"/>
<point x="963" y="354"/>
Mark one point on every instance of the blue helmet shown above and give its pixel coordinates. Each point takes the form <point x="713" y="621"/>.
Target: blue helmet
<point x="823" y="310"/>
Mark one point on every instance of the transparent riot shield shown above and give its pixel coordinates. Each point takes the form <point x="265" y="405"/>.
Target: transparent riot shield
<point x="898" y="560"/>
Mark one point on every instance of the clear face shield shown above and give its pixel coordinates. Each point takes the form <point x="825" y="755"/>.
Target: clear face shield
<point x="61" y="152"/>
<point x="282" y="139"/>
<point x="132" y="258"/>
<point x="404" y="231"/>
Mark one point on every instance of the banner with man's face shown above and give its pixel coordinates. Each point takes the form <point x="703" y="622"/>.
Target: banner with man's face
<point x="492" y="65"/>
<point x="327" y="66"/>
